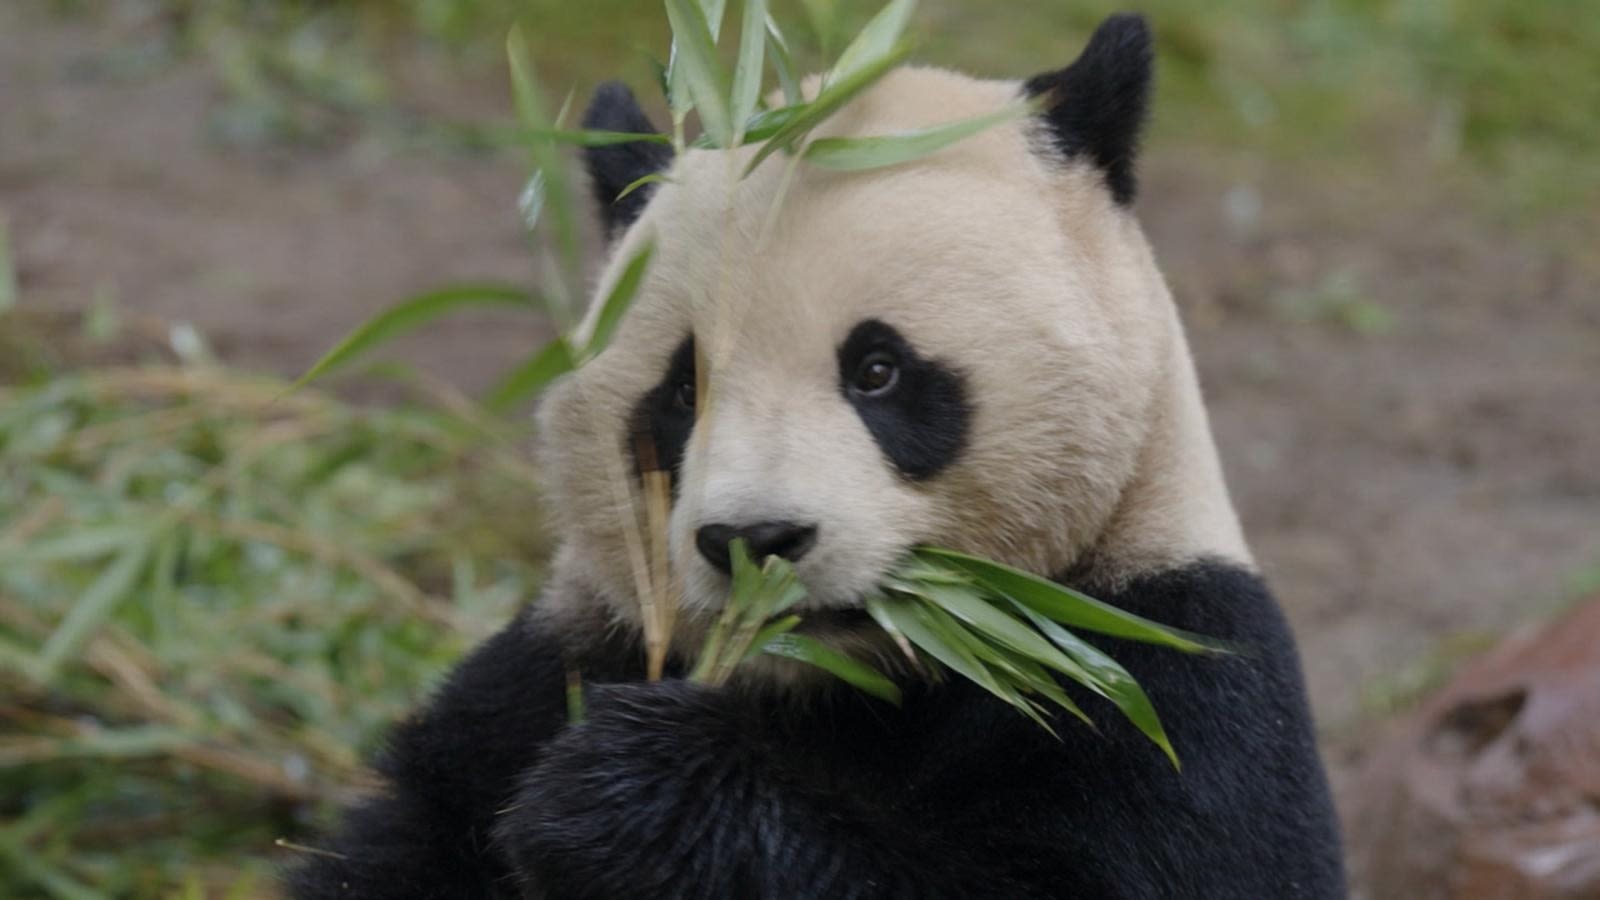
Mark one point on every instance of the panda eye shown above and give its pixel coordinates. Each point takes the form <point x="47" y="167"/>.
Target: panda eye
<point x="683" y="396"/>
<point x="877" y="375"/>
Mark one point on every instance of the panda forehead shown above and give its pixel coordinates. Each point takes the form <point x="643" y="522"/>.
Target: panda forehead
<point x="941" y="248"/>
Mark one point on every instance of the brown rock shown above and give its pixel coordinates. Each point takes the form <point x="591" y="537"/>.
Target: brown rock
<point x="1491" y="790"/>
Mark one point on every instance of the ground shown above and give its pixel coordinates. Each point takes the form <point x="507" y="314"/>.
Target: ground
<point x="1405" y="385"/>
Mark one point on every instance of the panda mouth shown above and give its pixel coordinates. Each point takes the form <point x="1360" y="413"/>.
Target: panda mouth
<point x="832" y="620"/>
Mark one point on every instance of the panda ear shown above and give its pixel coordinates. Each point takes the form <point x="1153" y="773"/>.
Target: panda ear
<point x="1095" y="108"/>
<point x="612" y="168"/>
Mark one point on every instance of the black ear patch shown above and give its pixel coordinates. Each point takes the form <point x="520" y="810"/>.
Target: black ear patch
<point x="613" y="168"/>
<point x="1097" y="105"/>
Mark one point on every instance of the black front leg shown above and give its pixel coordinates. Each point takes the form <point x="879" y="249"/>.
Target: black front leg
<point x="449" y="769"/>
<point x="674" y="790"/>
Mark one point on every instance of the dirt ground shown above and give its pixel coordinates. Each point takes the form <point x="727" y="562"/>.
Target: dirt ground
<point x="1407" y="395"/>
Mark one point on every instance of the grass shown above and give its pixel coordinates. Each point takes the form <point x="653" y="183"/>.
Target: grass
<point x="213" y="597"/>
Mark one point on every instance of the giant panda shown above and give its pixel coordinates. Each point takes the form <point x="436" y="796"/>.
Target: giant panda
<point x="974" y="350"/>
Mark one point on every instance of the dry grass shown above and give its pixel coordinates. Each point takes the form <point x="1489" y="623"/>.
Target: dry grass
<point x="213" y="597"/>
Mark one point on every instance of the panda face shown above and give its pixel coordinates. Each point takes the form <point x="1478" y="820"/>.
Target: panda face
<point x="961" y="352"/>
<point x="760" y="473"/>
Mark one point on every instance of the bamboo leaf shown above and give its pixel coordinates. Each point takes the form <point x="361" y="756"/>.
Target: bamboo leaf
<point x="525" y="97"/>
<point x="769" y="122"/>
<point x="851" y="671"/>
<point x="748" y="69"/>
<point x="672" y="84"/>
<point x="530" y="202"/>
<point x="696" y="56"/>
<point x="745" y="575"/>
<point x="824" y="19"/>
<point x="758" y="595"/>
<point x="911" y="619"/>
<point x="769" y="632"/>
<point x="1037" y="679"/>
<point x="1110" y="680"/>
<point x="84" y="542"/>
<point x="1072" y="608"/>
<point x="113" y="585"/>
<point x="559" y="124"/>
<point x="832" y="98"/>
<point x="617" y="301"/>
<point x="997" y="626"/>
<point x="876" y="40"/>
<point x="542" y="155"/>
<point x="743" y="584"/>
<point x="637" y="183"/>
<point x="122" y="743"/>
<point x="854" y="154"/>
<point x="783" y="63"/>
<point x="1008" y="674"/>
<point x="408" y="316"/>
<point x="527" y="380"/>
<point x="782" y="583"/>
<point x="760" y="126"/>
<point x="874" y="606"/>
<point x="1022" y="677"/>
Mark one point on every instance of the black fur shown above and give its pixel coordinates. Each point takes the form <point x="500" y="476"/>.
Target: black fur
<point x="671" y="790"/>
<point x="450" y="767"/>
<point x="1097" y="105"/>
<point x="660" y="426"/>
<point x="613" y="168"/>
<point x="921" y="425"/>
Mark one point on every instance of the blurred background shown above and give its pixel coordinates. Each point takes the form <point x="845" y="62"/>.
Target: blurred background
<point x="1378" y="217"/>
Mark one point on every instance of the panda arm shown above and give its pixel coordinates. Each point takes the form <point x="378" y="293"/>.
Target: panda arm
<point x="674" y="790"/>
<point x="671" y="789"/>
<point x="447" y="769"/>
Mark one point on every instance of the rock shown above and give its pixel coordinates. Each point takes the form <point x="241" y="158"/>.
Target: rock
<point x="1491" y="789"/>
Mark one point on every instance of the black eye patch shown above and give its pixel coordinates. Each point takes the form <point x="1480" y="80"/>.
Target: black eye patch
<point x="663" y="418"/>
<point x="920" y="421"/>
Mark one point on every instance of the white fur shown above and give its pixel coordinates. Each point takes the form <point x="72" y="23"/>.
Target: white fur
<point x="1089" y="443"/>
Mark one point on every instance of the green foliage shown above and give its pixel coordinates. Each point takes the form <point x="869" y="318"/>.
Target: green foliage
<point x="850" y="154"/>
<point x="1006" y="630"/>
<point x="617" y="301"/>
<point x="1504" y="85"/>
<point x="410" y="315"/>
<point x="851" y="671"/>
<point x="213" y="597"/>
<point x="756" y="621"/>
<point x="755" y="597"/>
<point x="876" y="41"/>
<point x="1002" y="628"/>
<point x="727" y="107"/>
<point x="697" y="67"/>
<point x="1498" y="86"/>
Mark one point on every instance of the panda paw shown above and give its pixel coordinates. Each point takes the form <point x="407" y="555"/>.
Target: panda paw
<point x="657" y="788"/>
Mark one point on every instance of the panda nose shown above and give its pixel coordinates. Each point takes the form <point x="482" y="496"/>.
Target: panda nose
<point x="789" y="540"/>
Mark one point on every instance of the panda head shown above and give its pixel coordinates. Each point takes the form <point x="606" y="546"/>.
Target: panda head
<point x="973" y="350"/>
